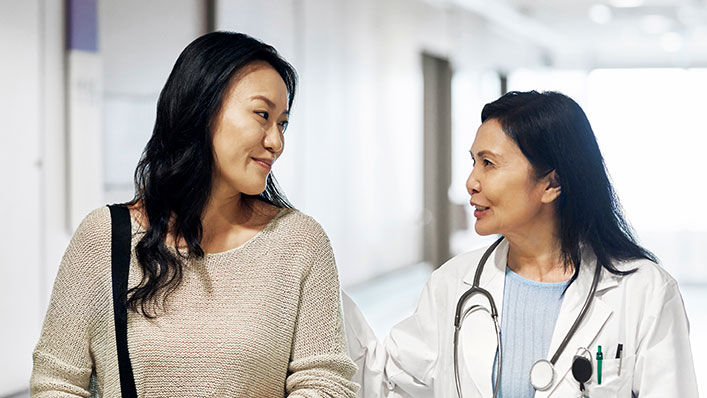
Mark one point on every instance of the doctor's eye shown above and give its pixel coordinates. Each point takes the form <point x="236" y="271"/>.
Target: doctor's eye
<point x="487" y="162"/>
<point x="263" y="114"/>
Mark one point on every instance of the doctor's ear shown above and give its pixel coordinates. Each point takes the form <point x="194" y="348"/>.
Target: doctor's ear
<point x="553" y="188"/>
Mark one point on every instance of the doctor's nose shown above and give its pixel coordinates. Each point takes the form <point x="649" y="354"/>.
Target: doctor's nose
<point x="472" y="184"/>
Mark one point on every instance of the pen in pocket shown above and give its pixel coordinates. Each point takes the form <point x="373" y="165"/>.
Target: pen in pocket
<point x="619" y="350"/>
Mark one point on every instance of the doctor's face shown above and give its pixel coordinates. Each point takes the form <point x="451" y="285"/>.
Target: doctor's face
<point x="505" y="193"/>
<point x="247" y="133"/>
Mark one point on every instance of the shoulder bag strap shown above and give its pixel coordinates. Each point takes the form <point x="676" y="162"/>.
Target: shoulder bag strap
<point x="121" y="235"/>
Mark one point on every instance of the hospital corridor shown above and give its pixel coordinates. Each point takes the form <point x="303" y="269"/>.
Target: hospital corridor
<point x="394" y="130"/>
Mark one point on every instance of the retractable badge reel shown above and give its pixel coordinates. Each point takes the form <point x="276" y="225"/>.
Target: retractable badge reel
<point x="582" y="369"/>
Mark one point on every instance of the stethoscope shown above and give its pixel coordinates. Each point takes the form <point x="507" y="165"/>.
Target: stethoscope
<point x="542" y="373"/>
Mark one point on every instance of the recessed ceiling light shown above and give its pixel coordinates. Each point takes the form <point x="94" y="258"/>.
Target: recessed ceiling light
<point x="626" y="3"/>
<point x="600" y="13"/>
<point x="656" y="24"/>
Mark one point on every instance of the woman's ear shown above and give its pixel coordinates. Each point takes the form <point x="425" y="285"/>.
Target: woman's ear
<point x="553" y="188"/>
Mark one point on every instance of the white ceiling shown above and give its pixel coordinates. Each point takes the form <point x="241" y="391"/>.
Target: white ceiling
<point x="601" y="33"/>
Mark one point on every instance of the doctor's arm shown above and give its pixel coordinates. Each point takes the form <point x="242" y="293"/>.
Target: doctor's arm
<point x="664" y="365"/>
<point x="403" y="366"/>
<point x="412" y="348"/>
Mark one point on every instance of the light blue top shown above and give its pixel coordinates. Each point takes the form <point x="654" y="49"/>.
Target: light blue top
<point x="528" y="319"/>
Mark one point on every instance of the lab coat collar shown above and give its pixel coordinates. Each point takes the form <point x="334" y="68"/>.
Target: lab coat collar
<point x="494" y="268"/>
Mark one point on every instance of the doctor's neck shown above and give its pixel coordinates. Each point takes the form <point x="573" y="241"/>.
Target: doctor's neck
<point x="537" y="255"/>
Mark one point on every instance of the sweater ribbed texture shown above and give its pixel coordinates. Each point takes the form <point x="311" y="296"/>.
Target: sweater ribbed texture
<point x="260" y="320"/>
<point x="530" y="311"/>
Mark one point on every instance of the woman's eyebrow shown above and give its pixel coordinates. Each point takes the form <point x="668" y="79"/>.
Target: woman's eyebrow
<point x="268" y="102"/>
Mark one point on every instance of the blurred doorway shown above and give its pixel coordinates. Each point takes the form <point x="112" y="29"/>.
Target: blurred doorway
<point x="437" y="163"/>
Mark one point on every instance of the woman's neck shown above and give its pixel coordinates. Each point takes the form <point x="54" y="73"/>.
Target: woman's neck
<point x="229" y="220"/>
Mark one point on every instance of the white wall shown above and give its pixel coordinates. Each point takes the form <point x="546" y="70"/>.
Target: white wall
<point x="20" y="162"/>
<point x="139" y="42"/>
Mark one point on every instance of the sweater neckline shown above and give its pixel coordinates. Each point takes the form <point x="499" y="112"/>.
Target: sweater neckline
<point x="267" y="228"/>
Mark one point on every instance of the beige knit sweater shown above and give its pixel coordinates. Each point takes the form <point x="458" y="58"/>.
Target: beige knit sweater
<point x="260" y="320"/>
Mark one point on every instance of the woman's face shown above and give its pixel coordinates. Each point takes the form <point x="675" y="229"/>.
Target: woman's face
<point x="247" y="132"/>
<point x="507" y="197"/>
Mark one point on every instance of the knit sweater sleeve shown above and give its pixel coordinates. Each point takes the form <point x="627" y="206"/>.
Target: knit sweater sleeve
<point x="62" y="358"/>
<point x="319" y="363"/>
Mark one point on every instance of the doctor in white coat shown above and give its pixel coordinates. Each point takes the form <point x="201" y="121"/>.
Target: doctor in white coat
<point x="539" y="181"/>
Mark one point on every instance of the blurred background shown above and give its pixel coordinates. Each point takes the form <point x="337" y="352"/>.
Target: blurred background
<point x="377" y="149"/>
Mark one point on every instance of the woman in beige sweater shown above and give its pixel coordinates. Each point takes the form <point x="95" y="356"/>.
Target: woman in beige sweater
<point x="231" y="292"/>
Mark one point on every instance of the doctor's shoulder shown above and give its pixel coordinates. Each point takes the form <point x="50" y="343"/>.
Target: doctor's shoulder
<point x="647" y="277"/>
<point x="453" y="271"/>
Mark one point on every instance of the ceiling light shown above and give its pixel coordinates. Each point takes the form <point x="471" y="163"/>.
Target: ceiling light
<point x="626" y="3"/>
<point x="600" y="13"/>
<point x="656" y="24"/>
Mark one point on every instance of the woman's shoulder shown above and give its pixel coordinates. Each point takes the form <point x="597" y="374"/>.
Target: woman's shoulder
<point x="296" y="223"/>
<point x="95" y="226"/>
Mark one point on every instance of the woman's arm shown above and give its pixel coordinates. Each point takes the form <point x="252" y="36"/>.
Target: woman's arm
<point x="62" y="361"/>
<point x="320" y="365"/>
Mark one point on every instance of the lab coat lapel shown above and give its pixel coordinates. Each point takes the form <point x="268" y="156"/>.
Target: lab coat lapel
<point x="477" y="339"/>
<point x="599" y="313"/>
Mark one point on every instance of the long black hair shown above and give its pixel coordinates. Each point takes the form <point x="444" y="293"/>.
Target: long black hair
<point x="554" y="134"/>
<point x="173" y="177"/>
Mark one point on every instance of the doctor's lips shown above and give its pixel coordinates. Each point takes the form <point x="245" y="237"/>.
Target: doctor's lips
<point x="264" y="162"/>
<point x="479" y="211"/>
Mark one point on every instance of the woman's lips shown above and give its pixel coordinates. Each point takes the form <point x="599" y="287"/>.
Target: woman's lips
<point x="264" y="163"/>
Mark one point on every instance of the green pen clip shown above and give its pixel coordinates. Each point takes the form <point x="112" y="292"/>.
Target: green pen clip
<point x="600" y="357"/>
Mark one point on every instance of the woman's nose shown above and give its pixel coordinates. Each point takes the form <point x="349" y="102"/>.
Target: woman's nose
<point x="273" y="141"/>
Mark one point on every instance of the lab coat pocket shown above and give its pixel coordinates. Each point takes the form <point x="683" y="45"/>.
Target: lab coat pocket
<point x="612" y="384"/>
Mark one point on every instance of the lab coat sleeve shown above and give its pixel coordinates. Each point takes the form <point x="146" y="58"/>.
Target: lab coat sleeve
<point x="365" y="350"/>
<point x="664" y="365"/>
<point x="412" y="349"/>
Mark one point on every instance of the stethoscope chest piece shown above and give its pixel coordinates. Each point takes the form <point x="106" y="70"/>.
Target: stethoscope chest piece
<point x="542" y="375"/>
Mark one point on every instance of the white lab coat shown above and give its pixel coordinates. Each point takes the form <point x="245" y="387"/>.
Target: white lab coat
<point x="643" y="311"/>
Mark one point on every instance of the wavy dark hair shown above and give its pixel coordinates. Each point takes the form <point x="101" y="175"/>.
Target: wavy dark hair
<point x="554" y="134"/>
<point x="173" y="177"/>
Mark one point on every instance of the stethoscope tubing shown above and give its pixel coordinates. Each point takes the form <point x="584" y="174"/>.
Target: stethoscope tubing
<point x="476" y="289"/>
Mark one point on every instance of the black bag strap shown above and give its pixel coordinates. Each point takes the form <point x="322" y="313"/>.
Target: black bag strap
<point x="121" y="236"/>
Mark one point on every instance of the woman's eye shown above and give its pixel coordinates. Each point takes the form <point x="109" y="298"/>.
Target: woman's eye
<point x="263" y="114"/>
<point x="283" y="124"/>
<point x="487" y="163"/>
